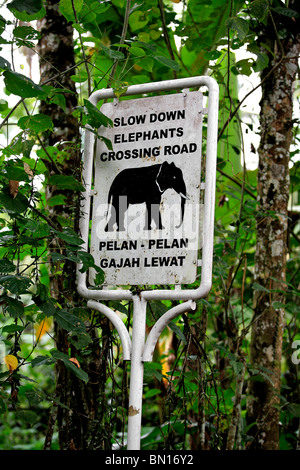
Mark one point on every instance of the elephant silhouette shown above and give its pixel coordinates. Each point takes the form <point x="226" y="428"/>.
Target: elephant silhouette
<point x="144" y="185"/>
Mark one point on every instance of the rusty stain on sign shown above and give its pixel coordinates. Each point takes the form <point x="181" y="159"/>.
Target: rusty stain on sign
<point x="133" y="411"/>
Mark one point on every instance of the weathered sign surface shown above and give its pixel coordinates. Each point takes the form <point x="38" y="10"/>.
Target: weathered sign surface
<point x="145" y="221"/>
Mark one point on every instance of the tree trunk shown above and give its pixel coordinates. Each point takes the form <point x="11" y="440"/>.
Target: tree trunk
<point x="79" y="400"/>
<point x="271" y="247"/>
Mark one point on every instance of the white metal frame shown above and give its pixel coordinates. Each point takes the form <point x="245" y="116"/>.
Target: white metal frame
<point x="137" y="350"/>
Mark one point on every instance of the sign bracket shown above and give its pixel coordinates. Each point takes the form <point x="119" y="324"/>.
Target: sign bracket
<point x="138" y="349"/>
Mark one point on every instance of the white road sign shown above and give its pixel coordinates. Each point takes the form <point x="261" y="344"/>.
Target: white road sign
<point x="145" y="221"/>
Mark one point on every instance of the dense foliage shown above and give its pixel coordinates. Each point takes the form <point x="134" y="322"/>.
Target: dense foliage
<point x="196" y="390"/>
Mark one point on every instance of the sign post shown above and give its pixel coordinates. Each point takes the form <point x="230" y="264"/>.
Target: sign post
<point x="152" y="212"/>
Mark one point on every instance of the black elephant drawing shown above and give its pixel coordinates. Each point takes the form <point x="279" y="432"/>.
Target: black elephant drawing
<point x="144" y="185"/>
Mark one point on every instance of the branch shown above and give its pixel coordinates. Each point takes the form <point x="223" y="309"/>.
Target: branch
<point x="237" y="183"/>
<point x="123" y="37"/>
<point x="11" y="112"/>
<point x="43" y="146"/>
<point x="83" y="52"/>
<point x="236" y="412"/>
<point x="166" y="36"/>
<point x="231" y="116"/>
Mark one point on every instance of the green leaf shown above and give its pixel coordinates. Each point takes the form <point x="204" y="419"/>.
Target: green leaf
<point x="15" y="284"/>
<point x="294" y="409"/>
<point x="18" y="145"/>
<point x="261" y="62"/>
<point x="65" y="182"/>
<point x="167" y="62"/>
<point x="259" y="9"/>
<point x="100" y="277"/>
<point x="57" y="200"/>
<point x="66" y="8"/>
<point x="18" y="205"/>
<point x="97" y="8"/>
<point x="72" y="256"/>
<point x="57" y="257"/>
<point x="146" y="63"/>
<point x="96" y="118"/>
<point x="23" y="16"/>
<point x="153" y="369"/>
<point x="12" y="328"/>
<point x="137" y="20"/>
<point x="2" y="406"/>
<point x="3" y="105"/>
<point x="69" y="236"/>
<point x="24" y="35"/>
<point x="86" y="259"/>
<point x="277" y="305"/>
<point x="155" y="34"/>
<point x="118" y="306"/>
<point x="67" y="321"/>
<point x="243" y="67"/>
<point x="177" y="331"/>
<point x="256" y="286"/>
<point x="286" y="12"/>
<point x="37" y="123"/>
<point x="239" y="25"/>
<point x="72" y="367"/>
<point x="111" y="53"/>
<point x="138" y="79"/>
<point x="106" y="141"/>
<point x="15" y="171"/>
<point x="41" y="294"/>
<point x="37" y="228"/>
<point x="34" y="396"/>
<point x="80" y="29"/>
<point x="4" y="64"/>
<point x="27" y="416"/>
<point x="80" y="340"/>
<point x="6" y="266"/>
<point x="143" y="36"/>
<point x="144" y="45"/>
<point x="236" y="365"/>
<point x="2" y="24"/>
<point x="81" y="77"/>
<point x="212" y="55"/>
<point x="26" y="32"/>
<point x="152" y="393"/>
<point x="41" y="360"/>
<point x="120" y="89"/>
<point x="19" y="85"/>
<point x="14" y="307"/>
<point x="48" y="308"/>
<point x="27" y="147"/>
<point x="59" y="100"/>
<point x="30" y="7"/>
<point x="137" y="51"/>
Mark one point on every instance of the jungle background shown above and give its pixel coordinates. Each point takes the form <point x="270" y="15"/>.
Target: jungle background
<point x="225" y="377"/>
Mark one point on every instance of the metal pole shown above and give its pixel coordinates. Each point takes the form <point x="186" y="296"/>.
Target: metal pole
<point x="136" y="374"/>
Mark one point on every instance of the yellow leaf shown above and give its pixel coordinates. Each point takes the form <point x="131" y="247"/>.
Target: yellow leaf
<point x="13" y="188"/>
<point x="42" y="328"/>
<point x="28" y="170"/>
<point x="74" y="360"/>
<point x="11" y="362"/>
